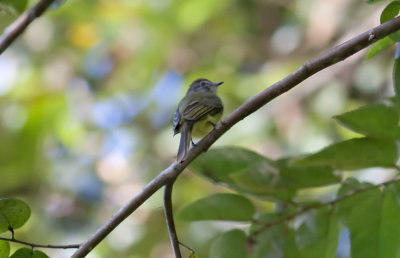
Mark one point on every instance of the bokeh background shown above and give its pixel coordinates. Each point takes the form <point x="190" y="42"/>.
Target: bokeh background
<point x="88" y="92"/>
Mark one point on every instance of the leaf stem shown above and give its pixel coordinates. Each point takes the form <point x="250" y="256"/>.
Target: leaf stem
<point x="72" y="246"/>
<point x="316" y="206"/>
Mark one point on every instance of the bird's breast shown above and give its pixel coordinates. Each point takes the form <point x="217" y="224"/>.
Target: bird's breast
<point x="203" y="127"/>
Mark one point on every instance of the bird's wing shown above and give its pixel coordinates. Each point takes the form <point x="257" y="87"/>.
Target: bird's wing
<point x="177" y="119"/>
<point x="199" y="109"/>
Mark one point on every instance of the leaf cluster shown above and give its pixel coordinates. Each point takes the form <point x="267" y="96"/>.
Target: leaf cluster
<point x="14" y="214"/>
<point x="307" y="228"/>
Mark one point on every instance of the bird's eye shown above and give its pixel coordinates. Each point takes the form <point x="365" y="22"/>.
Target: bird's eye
<point x="202" y="84"/>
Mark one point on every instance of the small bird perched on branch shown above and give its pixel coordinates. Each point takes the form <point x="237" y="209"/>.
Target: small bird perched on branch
<point x="197" y="113"/>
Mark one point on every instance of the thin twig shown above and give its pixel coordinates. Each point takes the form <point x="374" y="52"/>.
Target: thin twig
<point x="316" y="206"/>
<point x="40" y="245"/>
<point x="187" y="247"/>
<point x="169" y="217"/>
<point x="20" y="24"/>
<point x="325" y="60"/>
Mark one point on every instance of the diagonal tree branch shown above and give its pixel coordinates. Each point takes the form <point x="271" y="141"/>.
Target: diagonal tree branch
<point x="333" y="56"/>
<point x="20" y="24"/>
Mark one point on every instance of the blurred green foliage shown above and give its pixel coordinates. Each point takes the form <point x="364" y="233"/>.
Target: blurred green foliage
<point x="87" y="96"/>
<point x="14" y="214"/>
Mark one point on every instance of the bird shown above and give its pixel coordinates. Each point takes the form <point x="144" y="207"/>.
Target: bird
<point x="197" y="114"/>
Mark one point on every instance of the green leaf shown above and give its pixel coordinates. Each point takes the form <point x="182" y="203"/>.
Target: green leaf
<point x="378" y="47"/>
<point x="4" y="249"/>
<point x="391" y="11"/>
<point x="313" y="234"/>
<point x="317" y="233"/>
<point x="361" y="214"/>
<point x="389" y="234"/>
<point x="251" y="173"/>
<point x="22" y="253"/>
<point x="374" y="224"/>
<point x="28" y="253"/>
<point x="274" y="241"/>
<point x="349" y="185"/>
<point x="231" y="244"/>
<point x="355" y="153"/>
<point x="17" y="5"/>
<point x="378" y="120"/>
<point x="39" y="254"/>
<point x="290" y="246"/>
<point x="396" y="76"/>
<point x="13" y="214"/>
<point x="242" y="170"/>
<point x="220" y="163"/>
<point x="218" y="207"/>
<point x="304" y="176"/>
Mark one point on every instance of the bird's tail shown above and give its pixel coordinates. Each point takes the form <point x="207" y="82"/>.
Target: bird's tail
<point x="186" y="135"/>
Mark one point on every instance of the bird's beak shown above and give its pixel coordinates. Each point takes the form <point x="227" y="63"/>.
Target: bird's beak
<point x="218" y="83"/>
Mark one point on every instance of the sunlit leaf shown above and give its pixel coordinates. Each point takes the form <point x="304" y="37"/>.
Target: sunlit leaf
<point x="13" y="214"/>
<point x="379" y="46"/>
<point x="378" y="120"/>
<point x="28" y="253"/>
<point x="231" y="244"/>
<point x="4" y="249"/>
<point x="391" y="11"/>
<point x="218" y="207"/>
<point x="355" y="154"/>
<point x="39" y="254"/>
<point x="22" y="253"/>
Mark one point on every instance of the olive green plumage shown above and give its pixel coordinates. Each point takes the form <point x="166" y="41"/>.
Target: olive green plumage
<point x="197" y="113"/>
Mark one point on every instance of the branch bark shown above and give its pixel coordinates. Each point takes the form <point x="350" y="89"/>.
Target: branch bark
<point x="333" y="56"/>
<point x="169" y="217"/>
<point x="20" y="24"/>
